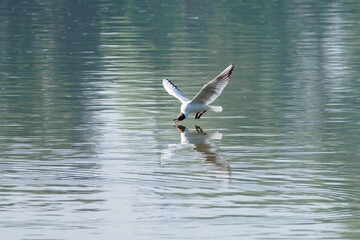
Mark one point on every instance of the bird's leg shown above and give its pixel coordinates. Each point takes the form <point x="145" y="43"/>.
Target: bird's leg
<point x="197" y="115"/>
<point x="201" y="114"/>
<point x="198" y="129"/>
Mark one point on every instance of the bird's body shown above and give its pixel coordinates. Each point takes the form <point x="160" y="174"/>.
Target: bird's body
<point x="189" y="107"/>
<point x="200" y="103"/>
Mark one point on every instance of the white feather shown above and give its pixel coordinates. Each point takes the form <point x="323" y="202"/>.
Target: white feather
<point x="174" y="91"/>
<point x="215" y="108"/>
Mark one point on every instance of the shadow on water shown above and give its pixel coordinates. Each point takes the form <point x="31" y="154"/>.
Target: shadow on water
<point x="199" y="140"/>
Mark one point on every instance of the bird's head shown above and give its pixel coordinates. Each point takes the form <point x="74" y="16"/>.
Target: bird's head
<point x="180" y="117"/>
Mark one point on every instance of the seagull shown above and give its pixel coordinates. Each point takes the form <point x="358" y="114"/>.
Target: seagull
<point x="200" y="103"/>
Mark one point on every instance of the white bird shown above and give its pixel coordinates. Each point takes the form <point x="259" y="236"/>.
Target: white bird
<point x="200" y="103"/>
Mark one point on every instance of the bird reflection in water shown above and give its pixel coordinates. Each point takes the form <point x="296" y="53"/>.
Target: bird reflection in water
<point x="200" y="142"/>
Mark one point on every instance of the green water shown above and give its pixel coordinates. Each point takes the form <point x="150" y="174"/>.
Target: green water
<point x="88" y="149"/>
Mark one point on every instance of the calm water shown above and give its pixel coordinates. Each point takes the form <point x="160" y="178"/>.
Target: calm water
<point x="88" y="149"/>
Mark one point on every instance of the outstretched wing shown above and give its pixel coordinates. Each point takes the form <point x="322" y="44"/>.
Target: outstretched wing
<point x="213" y="89"/>
<point x="174" y="91"/>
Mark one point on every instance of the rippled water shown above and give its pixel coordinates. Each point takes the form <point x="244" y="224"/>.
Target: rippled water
<point x="88" y="148"/>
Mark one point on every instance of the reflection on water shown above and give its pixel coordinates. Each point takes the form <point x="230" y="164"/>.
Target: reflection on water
<point x="199" y="140"/>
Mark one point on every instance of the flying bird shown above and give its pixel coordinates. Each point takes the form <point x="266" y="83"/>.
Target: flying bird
<point x="200" y="103"/>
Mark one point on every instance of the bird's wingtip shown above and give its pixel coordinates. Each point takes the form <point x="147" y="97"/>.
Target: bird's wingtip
<point x="165" y="81"/>
<point x="230" y="69"/>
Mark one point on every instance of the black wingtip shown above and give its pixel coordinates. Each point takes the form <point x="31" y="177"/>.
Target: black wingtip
<point x="231" y="69"/>
<point x="173" y="85"/>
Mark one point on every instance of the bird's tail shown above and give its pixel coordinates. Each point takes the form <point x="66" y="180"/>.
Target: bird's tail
<point x="215" y="108"/>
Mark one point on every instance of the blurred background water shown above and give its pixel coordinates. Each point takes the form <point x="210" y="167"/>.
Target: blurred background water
<point x="87" y="144"/>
